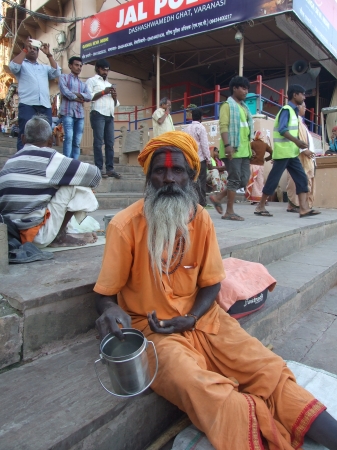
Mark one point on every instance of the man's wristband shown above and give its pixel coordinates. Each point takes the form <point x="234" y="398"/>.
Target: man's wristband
<point x="25" y="50"/>
<point x="103" y="92"/>
<point x="49" y="55"/>
<point x="227" y="145"/>
<point x="194" y="317"/>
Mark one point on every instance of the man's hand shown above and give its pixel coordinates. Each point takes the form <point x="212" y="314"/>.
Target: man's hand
<point x="108" y="90"/>
<point x="113" y="93"/>
<point x="175" y="325"/>
<point x="45" y="49"/>
<point x="229" y="152"/>
<point x="79" y="97"/>
<point x="308" y="153"/>
<point x="107" y="322"/>
<point x="28" y="45"/>
<point x="301" y="144"/>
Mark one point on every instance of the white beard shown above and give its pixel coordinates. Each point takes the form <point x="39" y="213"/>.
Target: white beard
<point x="167" y="218"/>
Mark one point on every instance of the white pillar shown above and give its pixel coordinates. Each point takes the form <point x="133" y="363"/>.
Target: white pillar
<point x="158" y="77"/>
<point x="242" y="46"/>
<point x="286" y="84"/>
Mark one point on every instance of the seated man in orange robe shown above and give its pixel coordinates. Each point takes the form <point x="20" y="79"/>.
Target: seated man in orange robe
<point x="161" y="274"/>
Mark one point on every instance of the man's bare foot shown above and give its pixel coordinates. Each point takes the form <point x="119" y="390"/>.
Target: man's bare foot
<point x="66" y="240"/>
<point x="89" y="238"/>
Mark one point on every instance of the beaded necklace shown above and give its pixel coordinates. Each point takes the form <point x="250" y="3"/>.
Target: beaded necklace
<point x="180" y="248"/>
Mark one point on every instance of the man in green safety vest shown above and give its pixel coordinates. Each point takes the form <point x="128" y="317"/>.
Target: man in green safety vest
<point x="287" y="147"/>
<point x="236" y="129"/>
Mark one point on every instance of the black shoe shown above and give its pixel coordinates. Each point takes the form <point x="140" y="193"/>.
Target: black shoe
<point x="113" y="173"/>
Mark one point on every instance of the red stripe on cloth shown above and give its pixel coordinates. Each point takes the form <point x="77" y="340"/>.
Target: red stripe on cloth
<point x="254" y="434"/>
<point x="304" y="421"/>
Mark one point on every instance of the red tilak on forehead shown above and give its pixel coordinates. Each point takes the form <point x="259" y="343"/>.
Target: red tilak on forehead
<point x="168" y="160"/>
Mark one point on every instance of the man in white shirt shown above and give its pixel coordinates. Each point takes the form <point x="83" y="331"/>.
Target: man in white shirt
<point x="161" y="118"/>
<point x="199" y="133"/>
<point x="103" y="104"/>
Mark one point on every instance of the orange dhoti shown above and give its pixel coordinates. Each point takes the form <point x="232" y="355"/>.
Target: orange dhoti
<point x="232" y="387"/>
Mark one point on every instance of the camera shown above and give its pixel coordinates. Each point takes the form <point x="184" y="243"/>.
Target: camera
<point x="238" y="36"/>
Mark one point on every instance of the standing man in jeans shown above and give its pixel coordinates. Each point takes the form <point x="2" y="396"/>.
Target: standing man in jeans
<point x="103" y="104"/>
<point x="287" y="145"/>
<point x="33" y="84"/>
<point x="74" y="93"/>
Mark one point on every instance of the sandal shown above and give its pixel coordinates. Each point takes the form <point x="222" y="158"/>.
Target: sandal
<point x="294" y="210"/>
<point x="312" y="212"/>
<point x="232" y="217"/>
<point x="264" y="213"/>
<point x="217" y="205"/>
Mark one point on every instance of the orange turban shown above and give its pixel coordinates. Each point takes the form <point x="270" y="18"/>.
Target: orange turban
<point x="179" y="139"/>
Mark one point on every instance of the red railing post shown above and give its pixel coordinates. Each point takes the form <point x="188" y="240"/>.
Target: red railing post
<point x="281" y="98"/>
<point x="217" y="93"/>
<point x="185" y="100"/>
<point x="312" y="114"/>
<point x="136" y="117"/>
<point x="259" y="85"/>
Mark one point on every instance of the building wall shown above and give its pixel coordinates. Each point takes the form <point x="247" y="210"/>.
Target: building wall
<point x="131" y="91"/>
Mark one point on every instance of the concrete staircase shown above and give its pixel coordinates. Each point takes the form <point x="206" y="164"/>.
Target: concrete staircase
<point x="111" y="193"/>
<point x="51" y="398"/>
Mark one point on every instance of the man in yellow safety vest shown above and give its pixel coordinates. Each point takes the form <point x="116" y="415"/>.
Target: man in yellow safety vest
<point x="287" y="147"/>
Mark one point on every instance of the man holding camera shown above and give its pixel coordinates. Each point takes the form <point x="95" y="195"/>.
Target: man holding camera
<point x="33" y="83"/>
<point x="161" y="118"/>
<point x="103" y="104"/>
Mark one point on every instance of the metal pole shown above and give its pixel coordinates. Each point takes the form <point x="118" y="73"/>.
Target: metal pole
<point x="242" y="45"/>
<point x="15" y="21"/>
<point x="158" y="77"/>
<point x="317" y="104"/>
<point x="323" y="132"/>
<point x="287" y="72"/>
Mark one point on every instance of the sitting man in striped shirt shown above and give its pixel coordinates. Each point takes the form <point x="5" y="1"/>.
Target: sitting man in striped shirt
<point x="74" y="93"/>
<point x="40" y="190"/>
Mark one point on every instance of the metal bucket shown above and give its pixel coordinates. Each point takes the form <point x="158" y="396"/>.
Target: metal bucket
<point x="106" y="219"/>
<point x="127" y="363"/>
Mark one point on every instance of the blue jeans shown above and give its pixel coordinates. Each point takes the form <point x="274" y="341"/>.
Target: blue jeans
<point x="73" y="131"/>
<point x="103" y="130"/>
<point x="296" y="171"/>
<point x="25" y="113"/>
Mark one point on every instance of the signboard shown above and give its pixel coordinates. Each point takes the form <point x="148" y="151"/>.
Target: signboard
<point x="142" y="23"/>
<point x="320" y="16"/>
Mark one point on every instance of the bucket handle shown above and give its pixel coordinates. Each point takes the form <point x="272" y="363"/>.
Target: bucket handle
<point x="136" y="393"/>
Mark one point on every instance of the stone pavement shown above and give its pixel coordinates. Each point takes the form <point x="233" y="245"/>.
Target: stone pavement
<point x="312" y="338"/>
<point x="48" y="308"/>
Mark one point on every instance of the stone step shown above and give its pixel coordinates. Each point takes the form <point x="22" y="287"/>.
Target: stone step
<point x="117" y="200"/>
<point x="58" y="306"/>
<point x="57" y="403"/>
<point x="56" y="400"/>
<point x="131" y="183"/>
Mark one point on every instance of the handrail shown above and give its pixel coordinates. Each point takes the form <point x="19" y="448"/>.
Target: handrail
<point x="313" y="121"/>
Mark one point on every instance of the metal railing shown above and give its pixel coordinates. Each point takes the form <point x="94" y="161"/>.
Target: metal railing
<point x="180" y="116"/>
